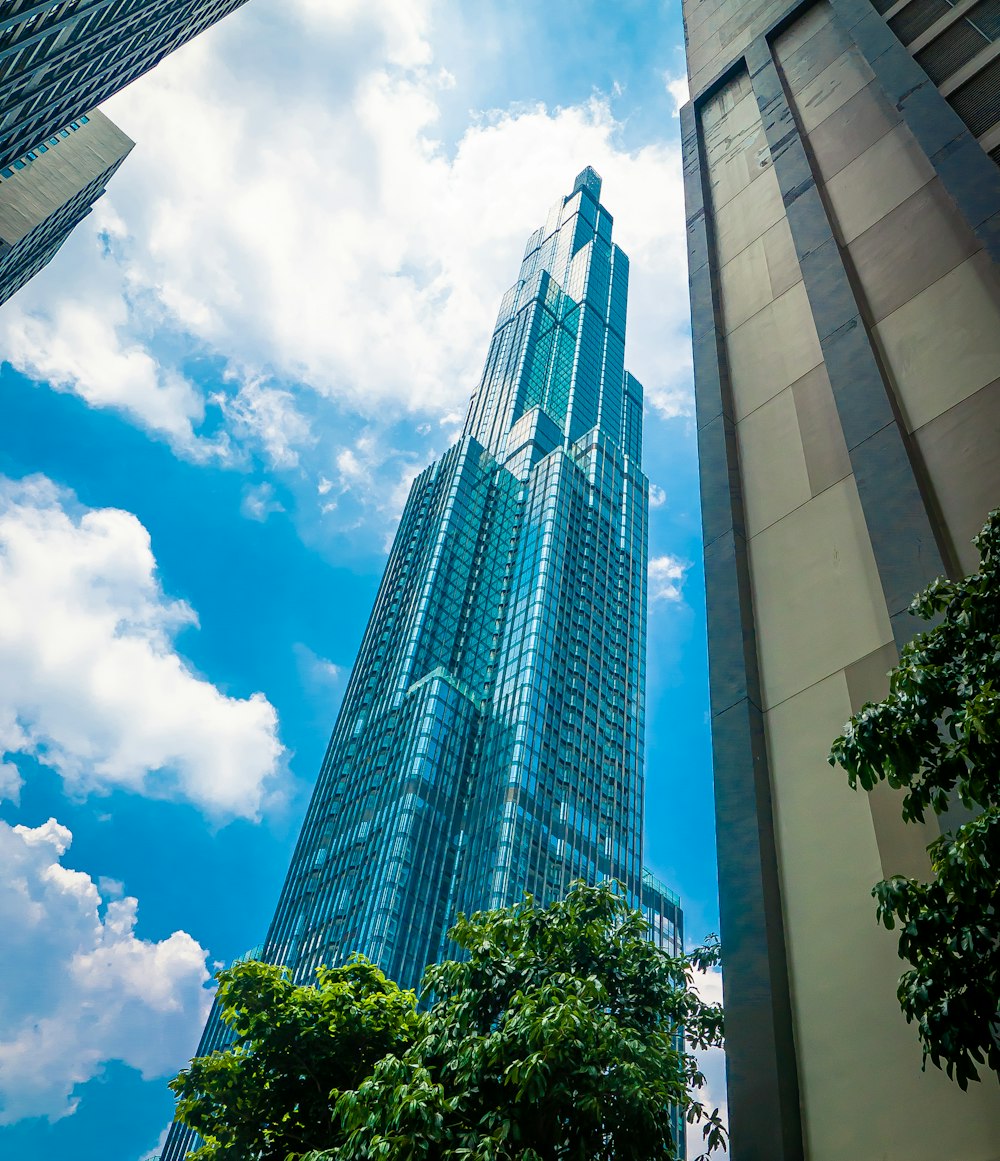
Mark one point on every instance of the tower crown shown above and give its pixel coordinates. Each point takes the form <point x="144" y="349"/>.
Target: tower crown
<point x="590" y="180"/>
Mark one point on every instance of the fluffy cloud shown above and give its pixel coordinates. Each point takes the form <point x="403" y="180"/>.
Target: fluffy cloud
<point x="258" y="502"/>
<point x="334" y="244"/>
<point x="90" y="683"/>
<point x="80" y="988"/>
<point x="678" y="89"/>
<point x="268" y="417"/>
<point x="86" y="339"/>
<point x="666" y="578"/>
<point x="347" y="488"/>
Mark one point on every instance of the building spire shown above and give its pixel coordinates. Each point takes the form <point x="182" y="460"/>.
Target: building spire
<point x="590" y="180"/>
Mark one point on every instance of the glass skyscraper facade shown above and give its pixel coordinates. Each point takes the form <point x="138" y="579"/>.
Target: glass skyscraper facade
<point x="490" y="741"/>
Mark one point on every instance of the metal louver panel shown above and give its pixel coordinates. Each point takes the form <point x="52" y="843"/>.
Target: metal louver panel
<point x="977" y="102"/>
<point x="917" y="17"/>
<point x="960" y="41"/>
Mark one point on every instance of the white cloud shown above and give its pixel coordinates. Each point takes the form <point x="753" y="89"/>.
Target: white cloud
<point x="334" y="240"/>
<point x="80" y="988"/>
<point x="318" y="672"/>
<point x="11" y="783"/>
<point x="657" y="496"/>
<point x="267" y="416"/>
<point x="677" y="87"/>
<point x="258" y="502"/>
<point x="90" y="682"/>
<point x="154" y="1153"/>
<point x="86" y="339"/>
<point x="666" y="578"/>
<point x="672" y="402"/>
<point x="368" y="478"/>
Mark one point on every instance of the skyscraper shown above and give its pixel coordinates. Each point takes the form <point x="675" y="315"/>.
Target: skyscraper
<point x="60" y="58"/>
<point x="844" y="230"/>
<point x="490" y="741"/>
<point x="46" y="193"/>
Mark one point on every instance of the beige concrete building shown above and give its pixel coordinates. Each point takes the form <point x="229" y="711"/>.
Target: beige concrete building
<point x="45" y="194"/>
<point x="843" y="202"/>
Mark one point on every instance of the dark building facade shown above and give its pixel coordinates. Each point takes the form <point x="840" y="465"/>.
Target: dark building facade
<point x="60" y="58"/>
<point x="843" y="203"/>
<point x="490" y="741"/>
<point x="46" y="193"/>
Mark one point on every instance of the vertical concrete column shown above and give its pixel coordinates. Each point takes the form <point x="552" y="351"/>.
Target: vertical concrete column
<point x="763" y="1085"/>
<point x="903" y="540"/>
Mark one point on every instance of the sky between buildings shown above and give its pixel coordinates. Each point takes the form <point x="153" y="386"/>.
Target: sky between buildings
<point x="215" y="400"/>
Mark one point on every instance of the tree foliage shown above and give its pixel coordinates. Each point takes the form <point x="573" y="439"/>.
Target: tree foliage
<point x="296" y="1047"/>
<point x="937" y="737"/>
<point x="556" y="1035"/>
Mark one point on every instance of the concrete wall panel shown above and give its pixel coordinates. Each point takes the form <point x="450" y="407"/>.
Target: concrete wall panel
<point x="823" y="444"/>
<point x="864" y="1095"/>
<point x="746" y="216"/>
<point x="944" y="344"/>
<point x="852" y="129"/>
<point x="817" y="596"/>
<point x="780" y="482"/>
<point x="909" y="248"/>
<point x="834" y="86"/>
<point x="959" y="450"/>
<point x="772" y="350"/>
<point x="883" y="177"/>
<point x="758" y="275"/>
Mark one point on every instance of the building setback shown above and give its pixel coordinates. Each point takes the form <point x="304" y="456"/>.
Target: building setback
<point x="46" y="193"/>
<point x="490" y="741"/>
<point x="843" y="210"/>
<point x="60" y="58"/>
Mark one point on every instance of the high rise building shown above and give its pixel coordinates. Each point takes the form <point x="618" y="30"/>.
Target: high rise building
<point x="661" y="908"/>
<point x="60" y="58"/>
<point x="490" y="738"/>
<point x="46" y="193"/>
<point x="844" y="229"/>
<point x="490" y="741"/>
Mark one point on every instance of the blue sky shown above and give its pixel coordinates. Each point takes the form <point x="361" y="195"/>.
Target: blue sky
<point x="215" y="399"/>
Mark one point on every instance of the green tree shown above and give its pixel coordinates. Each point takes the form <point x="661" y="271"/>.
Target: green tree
<point x="555" y="1036"/>
<point x="937" y="737"/>
<point x="296" y="1047"/>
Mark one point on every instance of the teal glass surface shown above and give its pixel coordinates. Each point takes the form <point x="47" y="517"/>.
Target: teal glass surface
<point x="490" y="740"/>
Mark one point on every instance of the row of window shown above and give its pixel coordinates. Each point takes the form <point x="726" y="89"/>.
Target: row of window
<point x="8" y="171"/>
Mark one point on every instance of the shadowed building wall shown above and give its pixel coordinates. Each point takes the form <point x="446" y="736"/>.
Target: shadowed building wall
<point x="844" y="230"/>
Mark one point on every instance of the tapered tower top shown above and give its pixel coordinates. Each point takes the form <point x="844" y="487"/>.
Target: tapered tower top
<point x="590" y="180"/>
<point x="558" y="347"/>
